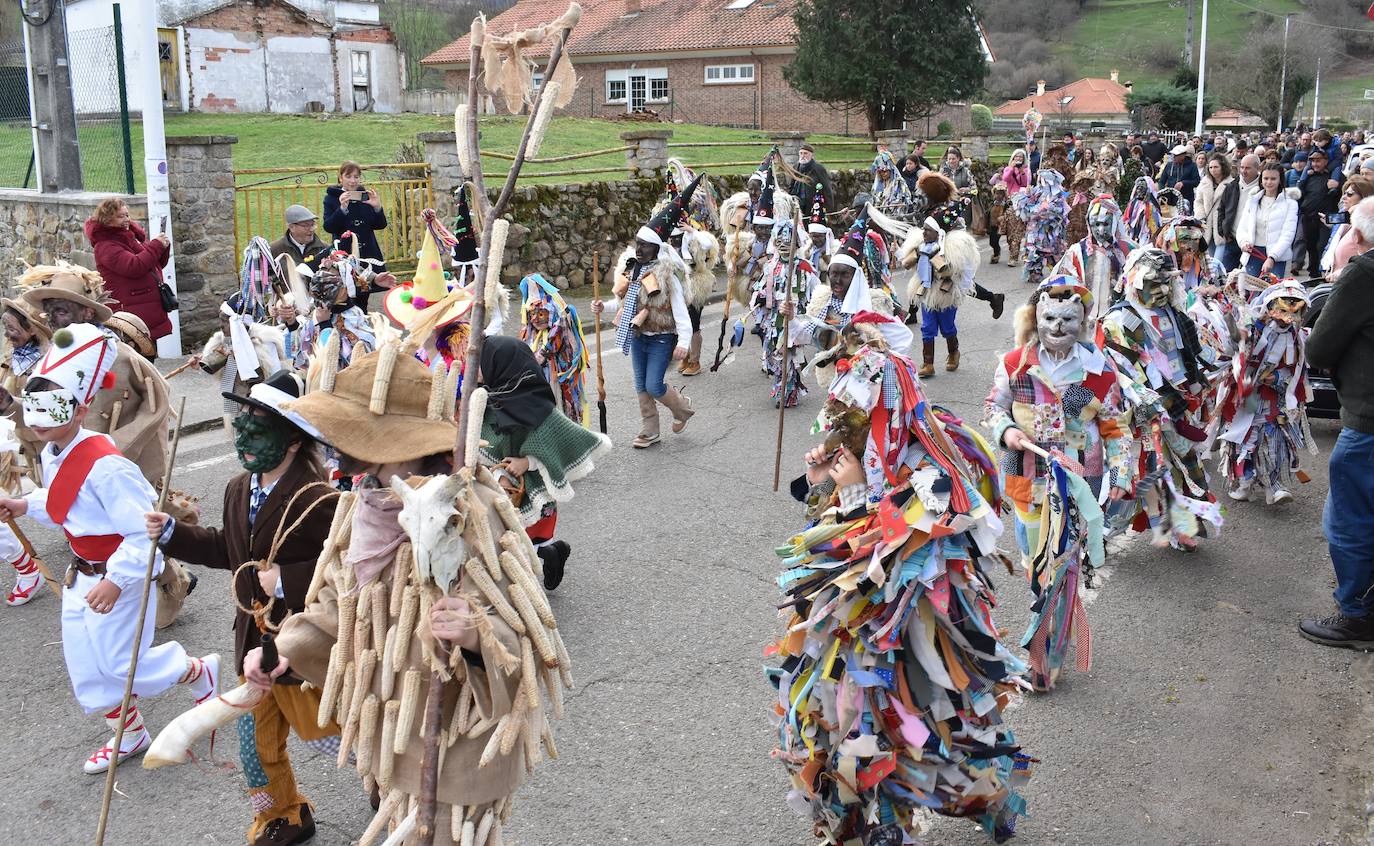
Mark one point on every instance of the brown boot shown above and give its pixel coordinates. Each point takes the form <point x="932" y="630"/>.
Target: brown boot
<point x="691" y="365"/>
<point x="681" y="407"/>
<point x="648" y="429"/>
<point x="952" y="363"/>
<point x="927" y="359"/>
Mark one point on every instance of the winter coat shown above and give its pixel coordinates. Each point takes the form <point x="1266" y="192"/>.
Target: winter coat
<point x="1343" y="342"/>
<point x="805" y="189"/>
<point x="131" y="266"/>
<point x="1228" y="209"/>
<point x="361" y="219"/>
<point x="1207" y="208"/>
<point x="1185" y="173"/>
<point x="285" y="246"/>
<point x="1016" y="179"/>
<point x="1280" y="226"/>
<point x="1316" y="197"/>
<point x="1154" y="152"/>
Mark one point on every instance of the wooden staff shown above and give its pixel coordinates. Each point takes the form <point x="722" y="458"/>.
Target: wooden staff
<point x="730" y="273"/>
<point x="786" y="355"/>
<point x="190" y="362"/>
<point x="138" y="641"/>
<point x="600" y="371"/>
<point x="33" y="556"/>
<point x="490" y="213"/>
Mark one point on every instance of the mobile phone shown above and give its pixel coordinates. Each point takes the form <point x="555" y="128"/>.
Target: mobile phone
<point x="1338" y="217"/>
<point x="365" y="195"/>
<point x="162" y="225"/>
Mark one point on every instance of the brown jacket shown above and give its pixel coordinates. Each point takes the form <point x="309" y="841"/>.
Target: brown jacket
<point x="237" y="542"/>
<point x="306" y="639"/>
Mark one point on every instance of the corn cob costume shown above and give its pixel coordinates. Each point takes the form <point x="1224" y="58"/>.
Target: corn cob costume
<point x="892" y="678"/>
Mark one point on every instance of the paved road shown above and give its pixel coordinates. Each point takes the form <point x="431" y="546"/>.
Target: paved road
<point x="1206" y="720"/>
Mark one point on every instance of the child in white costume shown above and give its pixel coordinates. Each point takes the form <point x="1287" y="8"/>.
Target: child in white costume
<point x="98" y="498"/>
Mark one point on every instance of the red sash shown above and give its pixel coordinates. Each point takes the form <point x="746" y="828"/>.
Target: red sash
<point x="62" y="494"/>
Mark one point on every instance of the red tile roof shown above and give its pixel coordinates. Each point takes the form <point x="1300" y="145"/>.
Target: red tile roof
<point x="1090" y="97"/>
<point x="660" y="26"/>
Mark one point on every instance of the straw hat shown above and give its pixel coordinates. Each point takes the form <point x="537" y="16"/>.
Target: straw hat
<point x="66" y="283"/>
<point x="403" y="432"/>
<point x="134" y="331"/>
<point x="37" y="321"/>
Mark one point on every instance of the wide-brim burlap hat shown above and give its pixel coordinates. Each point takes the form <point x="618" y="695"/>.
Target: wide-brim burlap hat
<point x="70" y="287"/>
<point x="132" y="328"/>
<point x="34" y="314"/>
<point x="404" y="432"/>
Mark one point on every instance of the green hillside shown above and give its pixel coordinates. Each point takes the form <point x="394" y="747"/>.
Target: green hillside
<point x="1143" y="38"/>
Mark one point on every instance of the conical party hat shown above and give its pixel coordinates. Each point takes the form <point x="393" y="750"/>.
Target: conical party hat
<point x="427" y="287"/>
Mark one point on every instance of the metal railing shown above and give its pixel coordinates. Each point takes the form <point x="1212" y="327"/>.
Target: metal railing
<point x="261" y="196"/>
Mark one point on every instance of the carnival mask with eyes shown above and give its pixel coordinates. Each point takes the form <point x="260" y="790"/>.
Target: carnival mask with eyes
<point x="260" y="441"/>
<point x="1288" y="311"/>
<point x="782" y="240"/>
<point x="1102" y="225"/>
<point x="1141" y="189"/>
<point x="1059" y="323"/>
<point x="327" y="288"/>
<point x="841" y="276"/>
<point x="1190" y="238"/>
<point x="1152" y="278"/>
<point x="539" y="317"/>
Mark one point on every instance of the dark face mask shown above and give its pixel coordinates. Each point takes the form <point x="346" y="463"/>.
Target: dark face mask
<point x="261" y="438"/>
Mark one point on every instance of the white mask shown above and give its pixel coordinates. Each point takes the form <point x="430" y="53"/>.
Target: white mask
<point x="48" y="409"/>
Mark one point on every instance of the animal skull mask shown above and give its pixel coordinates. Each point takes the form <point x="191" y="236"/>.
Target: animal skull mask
<point x="1059" y="322"/>
<point x="430" y="516"/>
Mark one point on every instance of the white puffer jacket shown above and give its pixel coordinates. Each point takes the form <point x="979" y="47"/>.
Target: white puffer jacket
<point x="1275" y="233"/>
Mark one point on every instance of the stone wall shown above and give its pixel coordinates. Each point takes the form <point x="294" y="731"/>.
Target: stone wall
<point x="200" y="170"/>
<point x="39" y="228"/>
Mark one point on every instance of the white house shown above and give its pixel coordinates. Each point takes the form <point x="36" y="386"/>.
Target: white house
<point x="284" y="56"/>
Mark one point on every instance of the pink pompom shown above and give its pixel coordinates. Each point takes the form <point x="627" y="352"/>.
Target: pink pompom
<point x="419" y="302"/>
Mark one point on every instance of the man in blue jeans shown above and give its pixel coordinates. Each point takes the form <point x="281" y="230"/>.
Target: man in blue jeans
<point x="1343" y="341"/>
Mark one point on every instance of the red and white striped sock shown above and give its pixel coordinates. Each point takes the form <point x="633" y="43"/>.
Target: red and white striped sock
<point x="133" y="726"/>
<point x="195" y="668"/>
<point x="24" y="565"/>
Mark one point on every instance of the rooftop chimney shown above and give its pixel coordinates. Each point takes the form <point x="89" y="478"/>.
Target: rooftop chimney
<point x="1129" y="85"/>
<point x="631" y="7"/>
<point x="1115" y="76"/>
<point x="1040" y="88"/>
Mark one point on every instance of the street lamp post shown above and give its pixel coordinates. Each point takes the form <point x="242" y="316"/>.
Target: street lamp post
<point x="1201" y="72"/>
<point x="1283" y="74"/>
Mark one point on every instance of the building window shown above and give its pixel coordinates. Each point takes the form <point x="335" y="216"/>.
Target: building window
<point x="658" y="90"/>
<point x="729" y="74"/>
<point x="637" y="86"/>
<point x="537" y="77"/>
<point x="740" y="4"/>
<point x="615" y="90"/>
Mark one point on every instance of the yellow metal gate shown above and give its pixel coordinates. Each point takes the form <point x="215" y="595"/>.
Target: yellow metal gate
<point x="261" y="196"/>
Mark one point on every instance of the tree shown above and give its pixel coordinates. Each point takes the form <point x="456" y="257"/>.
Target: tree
<point x="896" y="60"/>
<point x="980" y="117"/>
<point x="1177" y="107"/>
<point x="420" y="30"/>
<point x="1249" y="79"/>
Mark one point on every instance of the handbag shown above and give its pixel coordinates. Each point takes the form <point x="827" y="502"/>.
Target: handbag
<point x="168" y="296"/>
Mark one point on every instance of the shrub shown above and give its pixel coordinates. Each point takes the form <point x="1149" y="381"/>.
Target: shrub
<point x="980" y="117"/>
<point x="944" y="129"/>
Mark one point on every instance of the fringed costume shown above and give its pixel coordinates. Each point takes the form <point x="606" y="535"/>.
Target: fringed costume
<point x="552" y="330"/>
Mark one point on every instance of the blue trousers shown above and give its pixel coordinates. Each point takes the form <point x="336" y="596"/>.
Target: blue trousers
<point x="1348" y="521"/>
<point x="1229" y="254"/>
<point x="650" y="355"/>
<point x="938" y="322"/>
<point x="1253" y="266"/>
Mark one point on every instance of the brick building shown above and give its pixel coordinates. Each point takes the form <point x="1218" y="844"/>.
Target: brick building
<point x="284" y="56"/>
<point x="713" y="62"/>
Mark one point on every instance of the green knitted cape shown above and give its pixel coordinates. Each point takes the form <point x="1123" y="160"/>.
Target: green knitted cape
<point x="561" y="452"/>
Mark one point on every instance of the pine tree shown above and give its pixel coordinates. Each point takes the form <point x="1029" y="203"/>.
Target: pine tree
<point x="894" y="60"/>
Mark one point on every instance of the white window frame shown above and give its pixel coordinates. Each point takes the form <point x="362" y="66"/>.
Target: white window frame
<point x="623" y="76"/>
<point x="738" y="77"/>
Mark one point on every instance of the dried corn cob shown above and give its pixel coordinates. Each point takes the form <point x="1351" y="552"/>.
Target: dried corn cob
<point x="554" y="691"/>
<point x="456" y="818"/>
<point x="481" y="727"/>
<point x="493" y="595"/>
<point x="541" y="118"/>
<point x="342" y="510"/>
<point x="367" y="728"/>
<point x="348" y="609"/>
<point x="436" y="388"/>
<point x="474" y="433"/>
<point x="405" y="627"/>
<point x="332" y="679"/>
<point x="451" y="392"/>
<point x="400" y="576"/>
<point x="549" y="746"/>
<point x="484" y="828"/>
<point x="460" y="134"/>
<point x="481" y="529"/>
<point x="349" y="709"/>
<point x="379" y="604"/>
<point x="329" y="367"/>
<point x="458" y="722"/>
<point x="520" y="575"/>
<point x="381" y="380"/>
<point x="390" y="801"/>
<point x="387" y="763"/>
<point x="362" y="622"/>
<point x="494" y="742"/>
<point x="530" y="674"/>
<point x="537" y="633"/>
<point x="518" y="722"/>
<point x="469" y="833"/>
<point x="410" y="697"/>
<point x="388" y="680"/>
<point x="564" y="660"/>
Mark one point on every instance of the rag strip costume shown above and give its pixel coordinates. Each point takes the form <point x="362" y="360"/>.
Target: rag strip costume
<point x="1155" y="346"/>
<point x="890" y="192"/>
<point x="1045" y="213"/>
<point x="97" y="497"/>
<point x="1262" y="404"/>
<point x="1184" y="238"/>
<point x="1062" y="394"/>
<point x="782" y="268"/>
<point x="892" y="680"/>
<point x="284" y="523"/>
<point x="1143" y="216"/>
<point x="16" y="363"/>
<point x="552" y="330"/>
<point x="364" y="637"/>
<point x="243" y="354"/>
<point x="1098" y="260"/>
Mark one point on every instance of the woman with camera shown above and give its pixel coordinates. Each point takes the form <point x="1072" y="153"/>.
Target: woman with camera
<point x="130" y="263"/>
<point x="1343" y="245"/>
<point x="351" y="207"/>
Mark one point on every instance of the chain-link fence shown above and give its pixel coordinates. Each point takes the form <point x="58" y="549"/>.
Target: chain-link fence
<point x="16" y="136"/>
<point x="100" y="125"/>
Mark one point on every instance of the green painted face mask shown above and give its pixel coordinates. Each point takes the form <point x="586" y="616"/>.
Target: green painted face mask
<point x="262" y="438"/>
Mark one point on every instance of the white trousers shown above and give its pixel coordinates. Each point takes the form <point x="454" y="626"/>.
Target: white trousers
<point x="97" y="648"/>
<point x="10" y="548"/>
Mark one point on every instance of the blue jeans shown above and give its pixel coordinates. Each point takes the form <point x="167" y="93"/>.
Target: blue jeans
<point x="1253" y="266"/>
<point x="1229" y="255"/>
<point x="1347" y="521"/>
<point x="938" y="322"/>
<point x="650" y="354"/>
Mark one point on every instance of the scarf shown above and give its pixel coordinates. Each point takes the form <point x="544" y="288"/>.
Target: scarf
<point x="519" y="397"/>
<point x="376" y="534"/>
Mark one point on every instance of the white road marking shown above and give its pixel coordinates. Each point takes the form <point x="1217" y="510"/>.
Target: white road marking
<point x="208" y="462"/>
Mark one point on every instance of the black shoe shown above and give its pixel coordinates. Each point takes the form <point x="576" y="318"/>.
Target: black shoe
<point x="1341" y="631"/>
<point x="279" y="832"/>
<point x="191" y="586"/>
<point x="555" y="557"/>
<point x="999" y="302"/>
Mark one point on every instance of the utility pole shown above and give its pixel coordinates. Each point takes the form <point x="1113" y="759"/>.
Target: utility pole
<point x="1317" y="93"/>
<point x="1201" y="72"/>
<point x="54" y="114"/>
<point x="1283" y="74"/>
<point x="1188" y="38"/>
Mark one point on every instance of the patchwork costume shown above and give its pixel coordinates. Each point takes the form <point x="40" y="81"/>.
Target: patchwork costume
<point x="553" y="332"/>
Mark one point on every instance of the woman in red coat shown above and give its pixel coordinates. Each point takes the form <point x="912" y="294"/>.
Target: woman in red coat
<point x="130" y="263"/>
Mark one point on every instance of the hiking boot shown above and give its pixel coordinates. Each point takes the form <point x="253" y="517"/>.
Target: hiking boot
<point x="999" y="303"/>
<point x="281" y="832"/>
<point x="927" y="359"/>
<point x="1340" y="631"/>
<point x="952" y="361"/>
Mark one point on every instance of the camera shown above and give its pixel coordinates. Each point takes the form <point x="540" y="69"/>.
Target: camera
<point x="1338" y="218"/>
